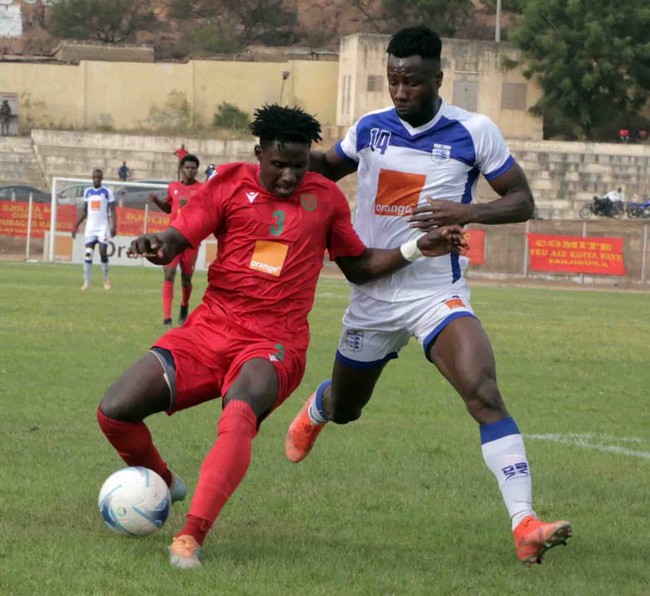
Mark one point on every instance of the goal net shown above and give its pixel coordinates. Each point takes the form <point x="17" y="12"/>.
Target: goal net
<point x="136" y="214"/>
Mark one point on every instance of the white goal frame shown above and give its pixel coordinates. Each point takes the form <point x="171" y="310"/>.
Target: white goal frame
<point x="53" y="201"/>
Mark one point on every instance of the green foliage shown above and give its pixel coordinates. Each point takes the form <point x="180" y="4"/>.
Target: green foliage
<point x="591" y="58"/>
<point x="512" y="6"/>
<point x="176" y="114"/>
<point x="443" y="16"/>
<point x="399" y="502"/>
<point x="108" y="21"/>
<point x="230" y="116"/>
<point x="269" y="22"/>
<point x="216" y="37"/>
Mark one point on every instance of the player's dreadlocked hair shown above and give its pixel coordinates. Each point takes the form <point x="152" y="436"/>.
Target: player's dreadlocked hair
<point x="285" y="125"/>
<point x="416" y="41"/>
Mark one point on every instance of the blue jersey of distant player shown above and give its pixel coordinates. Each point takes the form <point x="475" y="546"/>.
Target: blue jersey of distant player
<point x="97" y="221"/>
<point x="400" y="166"/>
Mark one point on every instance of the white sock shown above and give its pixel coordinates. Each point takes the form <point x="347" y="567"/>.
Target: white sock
<point x="87" y="266"/>
<point x="316" y="410"/>
<point x="505" y="455"/>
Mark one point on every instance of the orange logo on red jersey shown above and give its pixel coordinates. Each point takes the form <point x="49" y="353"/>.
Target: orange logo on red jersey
<point x="268" y="257"/>
<point x="398" y="192"/>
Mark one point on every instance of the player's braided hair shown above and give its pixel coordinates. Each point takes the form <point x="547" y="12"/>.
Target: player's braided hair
<point x="416" y="41"/>
<point x="284" y="124"/>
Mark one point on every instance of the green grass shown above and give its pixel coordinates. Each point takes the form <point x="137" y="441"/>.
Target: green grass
<point x="400" y="502"/>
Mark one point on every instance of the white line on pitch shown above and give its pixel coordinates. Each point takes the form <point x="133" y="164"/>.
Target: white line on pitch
<point x="585" y="441"/>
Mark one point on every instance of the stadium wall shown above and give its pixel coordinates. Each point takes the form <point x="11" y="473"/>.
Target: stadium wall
<point x="132" y="96"/>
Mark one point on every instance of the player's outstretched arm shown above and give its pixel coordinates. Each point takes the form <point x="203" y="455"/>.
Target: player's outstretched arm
<point x="374" y="263"/>
<point x="516" y="204"/>
<point x="162" y="205"/>
<point x="330" y="164"/>
<point x="160" y="248"/>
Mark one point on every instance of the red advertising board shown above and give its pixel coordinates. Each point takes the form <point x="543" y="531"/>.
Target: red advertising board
<point x="14" y="215"/>
<point x="476" y="241"/>
<point x="576" y="254"/>
<point x="130" y="222"/>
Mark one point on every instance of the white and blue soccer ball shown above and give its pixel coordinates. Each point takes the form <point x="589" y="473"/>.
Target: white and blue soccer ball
<point x="134" y="501"/>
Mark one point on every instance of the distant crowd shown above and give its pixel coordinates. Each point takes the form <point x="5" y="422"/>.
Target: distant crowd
<point x="626" y="136"/>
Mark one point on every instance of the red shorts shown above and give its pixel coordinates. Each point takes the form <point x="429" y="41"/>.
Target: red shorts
<point x="187" y="261"/>
<point x="209" y="354"/>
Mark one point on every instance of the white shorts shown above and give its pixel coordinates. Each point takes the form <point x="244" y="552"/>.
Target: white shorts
<point x="100" y="235"/>
<point x="375" y="331"/>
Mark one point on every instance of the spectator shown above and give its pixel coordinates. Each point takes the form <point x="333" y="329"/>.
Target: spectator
<point x="642" y="135"/>
<point x="624" y="135"/>
<point x="616" y="196"/>
<point x="181" y="152"/>
<point x="5" y="117"/>
<point x="209" y="171"/>
<point x="124" y="172"/>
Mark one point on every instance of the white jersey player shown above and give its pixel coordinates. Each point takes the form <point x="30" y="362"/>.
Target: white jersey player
<point x="99" y="211"/>
<point x="417" y="166"/>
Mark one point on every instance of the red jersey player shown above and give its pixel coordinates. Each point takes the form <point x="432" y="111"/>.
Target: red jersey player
<point x="178" y="195"/>
<point x="247" y="340"/>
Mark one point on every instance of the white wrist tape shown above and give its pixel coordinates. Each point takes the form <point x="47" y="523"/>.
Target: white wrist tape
<point x="410" y="251"/>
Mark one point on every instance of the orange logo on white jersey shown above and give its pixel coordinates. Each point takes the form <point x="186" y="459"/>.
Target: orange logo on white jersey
<point x="454" y="302"/>
<point x="95" y="205"/>
<point x="269" y="257"/>
<point x="398" y="192"/>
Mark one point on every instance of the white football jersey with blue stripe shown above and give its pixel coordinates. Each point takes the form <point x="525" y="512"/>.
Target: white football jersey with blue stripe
<point x="97" y="201"/>
<point x="400" y="166"/>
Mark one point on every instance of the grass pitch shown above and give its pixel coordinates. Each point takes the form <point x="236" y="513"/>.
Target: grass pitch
<point x="399" y="502"/>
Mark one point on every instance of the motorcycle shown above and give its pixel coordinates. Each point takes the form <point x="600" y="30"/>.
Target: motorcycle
<point x="603" y="207"/>
<point x="638" y="210"/>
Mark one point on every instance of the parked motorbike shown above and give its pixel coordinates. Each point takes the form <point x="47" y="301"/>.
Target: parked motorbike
<point x="637" y="210"/>
<point x="603" y="207"/>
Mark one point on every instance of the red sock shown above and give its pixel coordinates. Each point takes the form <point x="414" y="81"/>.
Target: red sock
<point x="187" y="292"/>
<point x="223" y="468"/>
<point x="133" y="443"/>
<point x="168" y="298"/>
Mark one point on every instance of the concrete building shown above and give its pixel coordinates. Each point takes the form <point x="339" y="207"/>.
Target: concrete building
<point x="474" y="79"/>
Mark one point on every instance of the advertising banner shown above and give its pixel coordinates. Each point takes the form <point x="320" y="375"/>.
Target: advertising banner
<point x="130" y="222"/>
<point x="14" y="214"/>
<point x="476" y="241"/>
<point x="576" y="254"/>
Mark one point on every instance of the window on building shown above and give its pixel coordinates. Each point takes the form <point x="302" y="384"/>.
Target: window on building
<point x="513" y="96"/>
<point x="374" y="83"/>
<point x="466" y="95"/>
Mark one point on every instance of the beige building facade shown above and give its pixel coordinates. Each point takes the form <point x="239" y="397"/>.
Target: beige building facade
<point x="127" y="96"/>
<point x="474" y="79"/>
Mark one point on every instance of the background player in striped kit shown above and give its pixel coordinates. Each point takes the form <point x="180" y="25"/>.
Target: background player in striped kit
<point x="99" y="208"/>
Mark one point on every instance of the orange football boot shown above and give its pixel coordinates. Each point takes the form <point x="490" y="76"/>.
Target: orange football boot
<point x="534" y="537"/>
<point x="302" y="434"/>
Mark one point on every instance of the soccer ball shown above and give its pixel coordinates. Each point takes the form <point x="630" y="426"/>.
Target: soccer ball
<point x="134" y="501"/>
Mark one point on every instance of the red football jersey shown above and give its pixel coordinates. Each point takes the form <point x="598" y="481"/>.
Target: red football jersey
<point x="178" y="194"/>
<point x="270" y="249"/>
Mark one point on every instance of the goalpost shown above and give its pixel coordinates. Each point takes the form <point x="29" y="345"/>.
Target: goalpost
<point x="68" y="193"/>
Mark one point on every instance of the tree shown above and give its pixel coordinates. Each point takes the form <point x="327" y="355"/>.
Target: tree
<point x="108" y="21"/>
<point x="443" y="16"/>
<point x="591" y="58"/>
<point x="270" y="22"/>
